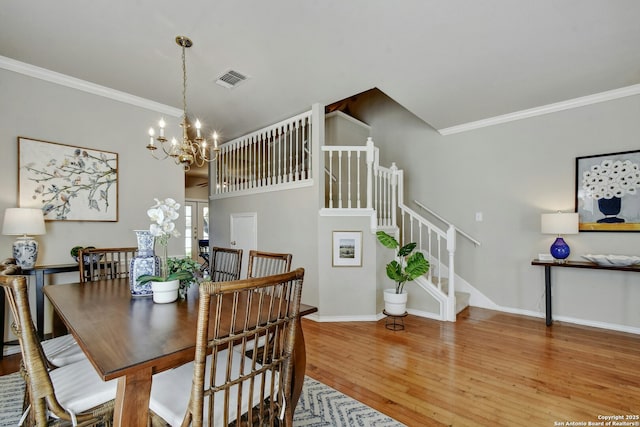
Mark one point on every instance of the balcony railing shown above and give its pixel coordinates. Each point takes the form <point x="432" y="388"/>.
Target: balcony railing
<point x="275" y="156"/>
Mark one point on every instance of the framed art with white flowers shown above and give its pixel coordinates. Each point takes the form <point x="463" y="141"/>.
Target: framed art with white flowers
<point x="68" y="183"/>
<point x="608" y="191"/>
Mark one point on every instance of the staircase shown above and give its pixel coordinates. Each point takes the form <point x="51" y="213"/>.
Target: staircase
<point x="281" y="157"/>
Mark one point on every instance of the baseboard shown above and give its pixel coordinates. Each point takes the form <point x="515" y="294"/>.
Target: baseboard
<point x="363" y="318"/>
<point x="573" y="320"/>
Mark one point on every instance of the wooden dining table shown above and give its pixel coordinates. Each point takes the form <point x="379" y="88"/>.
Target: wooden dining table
<point x="130" y="339"/>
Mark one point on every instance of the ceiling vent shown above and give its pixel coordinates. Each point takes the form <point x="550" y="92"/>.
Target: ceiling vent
<point x="231" y="79"/>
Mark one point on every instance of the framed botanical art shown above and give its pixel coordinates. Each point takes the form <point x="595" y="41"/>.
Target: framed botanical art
<point x="68" y="183"/>
<point x="608" y="191"/>
<point x="347" y="249"/>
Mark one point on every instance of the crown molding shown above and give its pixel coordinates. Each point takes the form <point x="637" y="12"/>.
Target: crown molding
<point x="545" y="109"/>
<point x="72" y="82"/>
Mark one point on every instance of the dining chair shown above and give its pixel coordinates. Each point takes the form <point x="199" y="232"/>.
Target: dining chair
<point x="222" y="386"/>
<point x="70" y="395"/>
<point x="59" y="351"/>
<point x="203" y="252"/>
<point x="105" y="263"/>
<point x="225" y="264"/>
<point x="263" y="264"/>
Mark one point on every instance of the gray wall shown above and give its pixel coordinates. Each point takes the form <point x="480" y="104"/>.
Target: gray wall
<point x="41" y="110"/>
<point x="512" y="173"/>
<point x="287" y="222"/>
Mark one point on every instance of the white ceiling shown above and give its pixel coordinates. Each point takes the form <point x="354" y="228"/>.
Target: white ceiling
<point x="450" y="62"/>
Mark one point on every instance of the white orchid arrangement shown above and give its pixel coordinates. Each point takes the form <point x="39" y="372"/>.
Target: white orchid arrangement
<point x="163" y="214"/>
<point x="611" y="179"/>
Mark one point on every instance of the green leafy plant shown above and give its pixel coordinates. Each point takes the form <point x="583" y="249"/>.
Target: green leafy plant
<point x="188" y="265"/>
<point x="75" y="251"/>
<point x="407" y="265"/>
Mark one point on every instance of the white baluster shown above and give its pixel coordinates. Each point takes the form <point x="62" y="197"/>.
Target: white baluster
<point x="358" y="180"/>
<point x="330" y="180"/>
<point x="297" y="142"/>
<point x="349" y="179"/>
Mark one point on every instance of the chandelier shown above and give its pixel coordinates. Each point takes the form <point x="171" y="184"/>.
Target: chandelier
<point x="185" y="152"/>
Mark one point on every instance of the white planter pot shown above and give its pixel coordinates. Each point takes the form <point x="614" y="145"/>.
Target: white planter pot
<point x="395" y="304"/>
<point x="164" y="292"/>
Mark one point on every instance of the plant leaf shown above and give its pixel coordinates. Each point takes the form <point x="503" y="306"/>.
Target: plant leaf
<point x="387" y="240"/>
<point x="149" y="278"/>
<point x="407" y="249"/>
<point x="394" y="272"/>
<point x="417" y="265"/>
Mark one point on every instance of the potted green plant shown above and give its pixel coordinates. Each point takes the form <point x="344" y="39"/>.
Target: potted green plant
<point x="75" y="253"/>
<point x="188" y="265"/>
<point x="407" y="265"/>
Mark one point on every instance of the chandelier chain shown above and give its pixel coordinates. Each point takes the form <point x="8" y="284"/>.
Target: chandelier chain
<point x="184" y="84"/>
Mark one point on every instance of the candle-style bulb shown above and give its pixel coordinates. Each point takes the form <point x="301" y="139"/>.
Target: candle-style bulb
<point x="162" y="124"/>
<point x="198" y="126"/>
<point x="215" y="139"/>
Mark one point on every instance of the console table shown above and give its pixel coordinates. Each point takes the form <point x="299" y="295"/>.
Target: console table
<point x="571" y="264"/>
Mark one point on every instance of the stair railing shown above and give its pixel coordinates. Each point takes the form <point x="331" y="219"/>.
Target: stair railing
<point x="384" y="196"/>
<point x="275" y="156"/>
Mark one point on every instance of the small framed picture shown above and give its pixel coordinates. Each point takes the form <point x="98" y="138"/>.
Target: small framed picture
<point x="347" y="249"/>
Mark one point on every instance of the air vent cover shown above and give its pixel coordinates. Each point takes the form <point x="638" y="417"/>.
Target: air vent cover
<point x="231" y="79"/>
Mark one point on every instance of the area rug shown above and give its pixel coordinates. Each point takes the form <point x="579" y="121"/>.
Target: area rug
<point x="319" y="406"/>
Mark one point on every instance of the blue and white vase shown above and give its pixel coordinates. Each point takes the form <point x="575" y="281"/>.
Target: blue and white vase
<point x="145" y="262"/>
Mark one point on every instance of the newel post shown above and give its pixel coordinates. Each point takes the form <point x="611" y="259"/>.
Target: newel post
<point x="369" y="160"/>
<point x="451" y="247"/>
<point x="397" y="189"/>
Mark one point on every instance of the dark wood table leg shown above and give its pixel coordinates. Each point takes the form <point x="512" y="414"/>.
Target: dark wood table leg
<point x="547" y="293"/>
<point x="40" y="303"/>
<point x="2" y="302"/>
<point x="299" y="366"/>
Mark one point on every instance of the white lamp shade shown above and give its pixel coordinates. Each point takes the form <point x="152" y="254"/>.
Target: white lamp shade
<point x="560" y="223"/>
<point x="23" y="221"/>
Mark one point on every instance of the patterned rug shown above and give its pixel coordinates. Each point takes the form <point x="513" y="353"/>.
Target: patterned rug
<point x="319" y="406"/>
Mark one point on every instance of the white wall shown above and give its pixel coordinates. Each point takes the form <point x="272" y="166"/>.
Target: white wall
<point x="512" y="173"/>
<point x="46" y="111"/>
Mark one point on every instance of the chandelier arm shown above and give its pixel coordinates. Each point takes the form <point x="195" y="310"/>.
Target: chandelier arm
<point x="159" y="158"/>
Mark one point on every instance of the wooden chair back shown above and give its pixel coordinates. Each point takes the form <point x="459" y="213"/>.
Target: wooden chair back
<point x="225" y="264"/>
<point x="105" y="263"/>
<point x="263" y="264"/>
<point x="261" y="306"/>
<point x="35" y="367"/>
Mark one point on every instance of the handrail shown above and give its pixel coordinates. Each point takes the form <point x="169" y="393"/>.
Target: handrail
<point x="474" y="241"/>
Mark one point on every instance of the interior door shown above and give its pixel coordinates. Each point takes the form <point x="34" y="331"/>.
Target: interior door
<point x="244" y="235"/>
<point x="196" y="218"/>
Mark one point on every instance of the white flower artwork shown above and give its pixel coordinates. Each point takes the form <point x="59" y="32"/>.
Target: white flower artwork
<point x="608" y="192"/>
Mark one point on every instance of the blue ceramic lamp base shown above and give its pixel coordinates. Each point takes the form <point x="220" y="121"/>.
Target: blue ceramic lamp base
<point x="560" y="250"/>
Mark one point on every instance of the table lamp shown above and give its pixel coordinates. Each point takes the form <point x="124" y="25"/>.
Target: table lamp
<point x="22" y="222"/>
<point x="560" y="223"/>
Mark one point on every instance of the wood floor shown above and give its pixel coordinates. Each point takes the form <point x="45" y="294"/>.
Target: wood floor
<point x="487" y="369"/>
